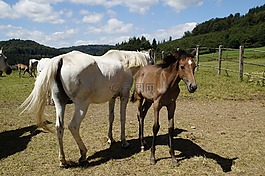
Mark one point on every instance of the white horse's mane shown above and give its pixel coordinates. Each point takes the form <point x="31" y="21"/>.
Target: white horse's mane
<point x="130" y="59"/>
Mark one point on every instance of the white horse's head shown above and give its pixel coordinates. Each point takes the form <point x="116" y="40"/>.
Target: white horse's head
<point x="3" y="63"/>
<point x="149" y="57"/>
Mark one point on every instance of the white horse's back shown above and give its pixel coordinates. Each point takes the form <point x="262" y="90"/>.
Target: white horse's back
<point x="82" y="76"/>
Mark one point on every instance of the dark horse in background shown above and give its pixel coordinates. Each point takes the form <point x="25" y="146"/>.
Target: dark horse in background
<point x="4" y="67"/>
<point x="158" y="85"/>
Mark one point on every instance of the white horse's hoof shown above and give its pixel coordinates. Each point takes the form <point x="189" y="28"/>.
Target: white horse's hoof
<point x="111" y="141"/>
<point x="142" y="148"/>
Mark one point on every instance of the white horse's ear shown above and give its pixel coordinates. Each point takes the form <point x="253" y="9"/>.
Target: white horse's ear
<point x="1" y="48"/>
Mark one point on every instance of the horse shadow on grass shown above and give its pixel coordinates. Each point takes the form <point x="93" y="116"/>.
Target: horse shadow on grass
<point x="14" y="141"/>
<point x="187" y="148"/>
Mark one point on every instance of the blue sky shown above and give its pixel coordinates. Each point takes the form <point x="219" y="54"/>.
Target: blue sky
<point x="63" y="23"/>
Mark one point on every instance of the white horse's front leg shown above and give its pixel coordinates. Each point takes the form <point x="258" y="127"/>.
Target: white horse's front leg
<point x="111" y="119"/>
<point x="123" y="105"/>
<point x="74" y="126"/>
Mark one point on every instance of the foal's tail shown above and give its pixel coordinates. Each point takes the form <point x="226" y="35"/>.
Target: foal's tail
<point x="36" y="101"/>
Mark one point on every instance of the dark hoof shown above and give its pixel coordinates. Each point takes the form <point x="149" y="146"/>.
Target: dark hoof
<point x="125" y="144"/>
<point x="83" y="162"/>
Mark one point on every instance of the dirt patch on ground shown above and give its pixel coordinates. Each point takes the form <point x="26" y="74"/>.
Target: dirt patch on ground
<point x="211" y="138"/>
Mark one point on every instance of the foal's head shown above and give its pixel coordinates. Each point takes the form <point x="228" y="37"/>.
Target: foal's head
<point x="186" y="67"/>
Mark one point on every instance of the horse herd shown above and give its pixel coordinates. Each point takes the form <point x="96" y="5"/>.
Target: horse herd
<point x="84" y="79"/>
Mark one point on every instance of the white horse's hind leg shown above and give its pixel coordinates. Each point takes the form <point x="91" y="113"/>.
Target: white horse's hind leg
<point x="60" y="130"/>
<point x="123" y="105"/>
<point x="60" y="100"/>
<point x="111" y="119"/>
<point x="79" y="114"/>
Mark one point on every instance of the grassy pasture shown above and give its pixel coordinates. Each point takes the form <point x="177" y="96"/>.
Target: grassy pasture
<point x="219" y="131"/>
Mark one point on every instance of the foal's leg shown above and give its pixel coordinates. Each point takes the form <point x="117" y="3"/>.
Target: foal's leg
<point x="171" y="109"/>
<point x="79" y="114"/>
<point x="123" y="104"/>
<point x="156" y="127"/>
<point x="141" y="116"/>
<point x="141" y="123"/>
<point x="111" y="119"/>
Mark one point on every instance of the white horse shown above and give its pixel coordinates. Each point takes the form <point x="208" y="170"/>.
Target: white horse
<point x="132" y="60"/>
<point x="84" y="79"/>
<point x="4" y="67"/>
<point x="33" y="66"/>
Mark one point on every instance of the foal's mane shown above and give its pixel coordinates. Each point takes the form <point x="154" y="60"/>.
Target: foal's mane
<point x="173" y="57"/>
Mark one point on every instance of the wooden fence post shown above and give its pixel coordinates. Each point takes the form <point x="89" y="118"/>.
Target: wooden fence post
<point x="241" y="63"/>
<point x="197" y="58"/>
<point x="219" y="59"/>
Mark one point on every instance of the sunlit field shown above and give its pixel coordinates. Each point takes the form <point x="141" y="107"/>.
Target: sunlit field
<point x="219" y="130"/>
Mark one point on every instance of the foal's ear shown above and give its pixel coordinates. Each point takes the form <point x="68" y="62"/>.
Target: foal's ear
<point x="193" y="53"/>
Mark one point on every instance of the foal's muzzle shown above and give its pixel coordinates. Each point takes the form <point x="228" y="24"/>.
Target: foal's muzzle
<point x="192" y="88"/>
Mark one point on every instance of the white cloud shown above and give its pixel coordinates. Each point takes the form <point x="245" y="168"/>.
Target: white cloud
<point x="93" y="18"/>
<point x="115" y="26"/>
<point x="182" y="4"/>
<point x="174" y="32"/>
<point x="6" y="11"/>
<point x="19" y="32"/>
<point x="136" y="6"/>
<point x="103" y="40"/>
<point x="140" y="6"/>
<point x="60" y="38"/>
<point x="37" y="11"/>
<point x="89" y="2"/>
<point x="56" y="39"/>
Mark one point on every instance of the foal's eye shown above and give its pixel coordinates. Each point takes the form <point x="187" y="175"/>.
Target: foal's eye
<point x="182" y="67"/>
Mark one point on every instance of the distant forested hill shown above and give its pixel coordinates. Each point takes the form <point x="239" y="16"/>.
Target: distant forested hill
<point x="89" y="49"/>
<point x="20" y="51"/>
<point x="232" y="31"/>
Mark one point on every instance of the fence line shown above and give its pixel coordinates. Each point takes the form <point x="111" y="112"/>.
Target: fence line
<point x="240" y="62"/>
<point x="220" y="58"/>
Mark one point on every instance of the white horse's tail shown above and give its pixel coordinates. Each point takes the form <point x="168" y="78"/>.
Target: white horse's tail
<point x="36" y="101"/>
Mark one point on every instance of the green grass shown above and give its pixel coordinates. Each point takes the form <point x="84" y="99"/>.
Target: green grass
<point x="14" y="88"/>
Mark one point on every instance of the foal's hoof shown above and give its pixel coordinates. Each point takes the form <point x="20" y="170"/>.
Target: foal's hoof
<point x="125" y="144"/>
<point x="175" y="163"/>
<point x="63" y="165"/>
<point x="83" y="162"/>
<point x="152" y="161"/>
